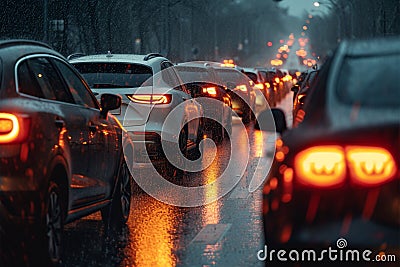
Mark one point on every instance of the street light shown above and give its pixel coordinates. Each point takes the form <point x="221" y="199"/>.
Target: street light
<point x="316" y="4"/>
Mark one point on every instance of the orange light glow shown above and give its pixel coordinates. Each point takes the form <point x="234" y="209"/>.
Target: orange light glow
<point x="242" y="88"/>
<point x="259" y="86"/>
<point x="9" y="127"/>
<point x="273" y="183"/>
<point x="322" y="166"/>
<point x="150" y="99"/>
<point x="370" y="165"/>
<point x="212" y="91"/>
<point x="268" y="85"/>
<point x="280" y="156"/>
<point x="277" y="80"/>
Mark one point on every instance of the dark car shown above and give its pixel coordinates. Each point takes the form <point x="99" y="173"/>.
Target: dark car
<point x="300" y="97"/>
<point x="242" y="92"/>
<point x="336" y="176"/>
<point x="61" y="154"/>
<point x="201" y="80"/>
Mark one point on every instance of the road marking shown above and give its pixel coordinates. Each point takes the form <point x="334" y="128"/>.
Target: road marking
<point x="211" y="234"/>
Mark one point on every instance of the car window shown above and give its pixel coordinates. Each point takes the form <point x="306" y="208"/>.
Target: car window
<point x="364" y="81"/>
<point x="252" y="76"/>
<point x="169" y="76"/>
<point x="193" y="74"/>
<point x="38" y="77"/>
<point x="115" y="75"/>
<point x="79" y="91"/>
<point x="228" y="75"/>
<point x="27" y="84"/>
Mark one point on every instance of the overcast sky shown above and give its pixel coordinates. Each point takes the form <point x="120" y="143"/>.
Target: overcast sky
<point x="297" y="7"/>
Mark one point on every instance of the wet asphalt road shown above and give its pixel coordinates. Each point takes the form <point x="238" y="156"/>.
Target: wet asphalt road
<point x="226" y="232"/>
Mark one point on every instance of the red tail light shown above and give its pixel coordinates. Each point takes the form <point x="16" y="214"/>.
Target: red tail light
<point x="259" y="86"/>
<point x="322" y="166"/>
<point x="241" y="87"/>
<point x="155" y="99"/>
<point x="13" y="128"/>
<point x="211" y="91"/>
<point x="370" y="165"/>
<point x="325" y="166"/>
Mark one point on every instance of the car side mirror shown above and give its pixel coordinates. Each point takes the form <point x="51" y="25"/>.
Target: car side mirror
<point x="264" y="122"/>
<point x="295" y="89"/>
<point x="109" y="102"/>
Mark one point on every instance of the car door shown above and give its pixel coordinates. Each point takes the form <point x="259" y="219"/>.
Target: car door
<point x="102" y="140"/>
<point x="39" y="78"/>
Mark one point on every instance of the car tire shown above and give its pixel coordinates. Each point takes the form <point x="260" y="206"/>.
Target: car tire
<point x="228" y="129"/>
<point x="116" y="214"/>
<point x="53" y="225"/>
<point x="171" y="170"/>
<point x="198" y="150"/>
<point x="217" y="132"/>
<point x="246" y="118"/>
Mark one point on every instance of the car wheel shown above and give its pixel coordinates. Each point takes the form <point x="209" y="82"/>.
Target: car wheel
<point x="54" y="223"/>
<point x="247" y="115"/>
<point x="116" y="214"/>
<point x="217" y="132"/>
<point x="228" y="129"/>
<point x="171" y="170"/>
<point x="197" y="151"/>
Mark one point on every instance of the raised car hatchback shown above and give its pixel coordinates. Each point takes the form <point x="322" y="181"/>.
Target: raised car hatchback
<point x="60" y="154"/>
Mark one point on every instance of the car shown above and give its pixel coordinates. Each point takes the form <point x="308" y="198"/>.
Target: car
<point x="269" y="75"/>
<point x="203" y="83"/>
<point x="299" y="99"/>
<point x="337" y="175"/>
<point x="61" y="154"/>
<point x="260" y="85"/>
<point x="241" y="90"/>
<point x="151" y="90"/>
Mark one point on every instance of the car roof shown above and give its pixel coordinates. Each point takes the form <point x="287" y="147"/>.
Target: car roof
<point x="30" y="46"/>
<point x="197" y="64"/>
<point x="379" y="46"/>
<point x="120" y="58"/>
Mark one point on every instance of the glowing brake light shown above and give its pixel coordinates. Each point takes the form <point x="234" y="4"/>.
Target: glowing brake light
<point x="242" y="88"/>
<point x="150" y="99"/>
<point x="268" y="85"/>
<point x="277" y="80"/>
<point x="210" y="90"/>
<point x="259" y="86"/>
<point x="322" y="166"/>
<point x="370" y="165"/>
<point x="13" y="128"/>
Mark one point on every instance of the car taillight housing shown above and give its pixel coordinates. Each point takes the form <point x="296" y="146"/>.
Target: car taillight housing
<point x="154" y="99"/>
<point x="322" y="166"/>
<point x="211" y="91"/>
<point x="13" y="128"/>
<point x="259" y="86"/>
<point x="326" y="166"/>
<point x="242" y="88"/>
<point x="370" y="165"/>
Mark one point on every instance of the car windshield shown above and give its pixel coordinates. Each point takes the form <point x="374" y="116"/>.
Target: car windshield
<point x="230" y="75"/>
<point x="193" y="74"/>
<point x="115" y="75"/>
<point x="252" y="76"/>
<point x="380" y="87"/>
